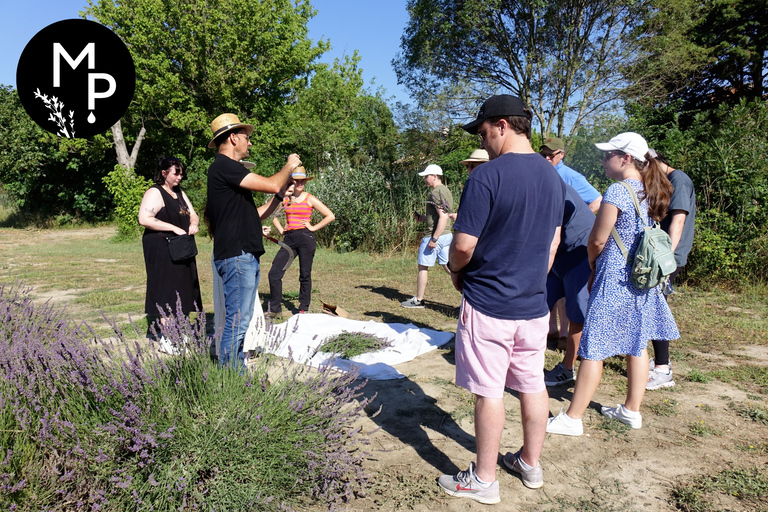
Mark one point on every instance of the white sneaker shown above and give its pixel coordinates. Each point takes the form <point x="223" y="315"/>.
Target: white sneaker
<point x="620" y="413"/>
<point x="565" y="425"/>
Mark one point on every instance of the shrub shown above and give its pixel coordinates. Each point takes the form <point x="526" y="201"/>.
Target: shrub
<point x="92" y="424"/>
<point x="128" y="190"/>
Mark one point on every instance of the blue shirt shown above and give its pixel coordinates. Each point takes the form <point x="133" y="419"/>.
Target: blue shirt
<point x="578" y="220"/>
<point x="577" y="180"/>
<point x="512" y="204"/>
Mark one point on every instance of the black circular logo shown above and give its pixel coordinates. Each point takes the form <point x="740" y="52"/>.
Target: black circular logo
<point x="75" y="78"/>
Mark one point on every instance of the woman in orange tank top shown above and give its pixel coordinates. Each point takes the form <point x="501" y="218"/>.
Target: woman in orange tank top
<point x="298" y="235"/>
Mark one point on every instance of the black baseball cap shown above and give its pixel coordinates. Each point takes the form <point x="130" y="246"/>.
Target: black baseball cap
<point x="497" y="106"/>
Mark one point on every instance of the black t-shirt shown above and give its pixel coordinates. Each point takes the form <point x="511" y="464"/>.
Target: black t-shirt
<point x="231" y="211"/>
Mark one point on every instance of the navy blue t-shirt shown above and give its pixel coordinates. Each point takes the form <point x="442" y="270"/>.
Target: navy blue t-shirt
<point x="578" y="220"/>
<point x="512" y="204"/>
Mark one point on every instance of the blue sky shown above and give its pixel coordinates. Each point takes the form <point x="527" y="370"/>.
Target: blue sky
<point x="371" y="27"/>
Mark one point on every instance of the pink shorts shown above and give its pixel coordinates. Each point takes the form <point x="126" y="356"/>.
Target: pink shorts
<point x="493" y="353"/>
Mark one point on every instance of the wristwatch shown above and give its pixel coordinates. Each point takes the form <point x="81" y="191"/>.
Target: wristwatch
<point x="433" y="240"/>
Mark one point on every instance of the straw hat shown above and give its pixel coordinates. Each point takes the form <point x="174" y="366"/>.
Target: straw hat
<point x="478" y="155"/>
<point x="226" y="123"/>
<point x="300" y="173"/>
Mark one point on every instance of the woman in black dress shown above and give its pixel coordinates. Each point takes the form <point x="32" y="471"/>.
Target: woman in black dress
<point x="166" y="211"/>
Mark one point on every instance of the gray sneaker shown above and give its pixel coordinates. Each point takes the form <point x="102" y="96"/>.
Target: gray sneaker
<point x="465" y="485"/>
<point x="413" y="302"/>
<point x="658" y="379"/>
<point x="533" y="478"/>
<point x="559" y="375"/>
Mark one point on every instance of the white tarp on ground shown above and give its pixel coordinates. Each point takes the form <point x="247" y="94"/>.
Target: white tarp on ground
<point x="301" y="335"/>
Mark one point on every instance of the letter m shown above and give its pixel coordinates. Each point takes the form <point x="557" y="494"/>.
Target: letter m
<point x="59" y="51"/>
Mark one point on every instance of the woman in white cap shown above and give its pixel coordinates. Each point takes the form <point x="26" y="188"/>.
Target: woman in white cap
<point x="298" y="235"/>
<point x="621" y="319"/>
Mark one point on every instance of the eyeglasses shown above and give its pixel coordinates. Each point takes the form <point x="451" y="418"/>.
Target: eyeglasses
<point x="247" y="137"/>
<point x="610" y="154"/>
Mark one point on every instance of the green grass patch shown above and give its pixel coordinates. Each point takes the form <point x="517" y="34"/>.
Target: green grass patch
<point x="614" y="428"/>
<point x="751" y="411"/>
<point x="708" y="493"/>
<point x="701" y="429"/>
<point x="351" y="344"/>
<point x="667" y="407"/>
<point x="696" y="375"/>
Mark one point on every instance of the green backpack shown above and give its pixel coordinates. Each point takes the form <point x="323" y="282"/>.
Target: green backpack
<point x="654" y="259"/>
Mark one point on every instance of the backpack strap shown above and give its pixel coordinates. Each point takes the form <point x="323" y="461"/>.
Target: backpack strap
<point x="614" y="233"/>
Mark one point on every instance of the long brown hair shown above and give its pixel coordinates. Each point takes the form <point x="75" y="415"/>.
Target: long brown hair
<point x="658" y="189"/>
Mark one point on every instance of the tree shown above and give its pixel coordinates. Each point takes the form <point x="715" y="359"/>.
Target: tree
<point x="46" y="175"/>
<point x="563" y="58"/>
<point x="705" y="52"/>
<point x="335" y="117"/>
<point x="196" y="59"/>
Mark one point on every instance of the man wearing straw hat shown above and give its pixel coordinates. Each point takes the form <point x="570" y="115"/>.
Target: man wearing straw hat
<point x="236" y="222"/>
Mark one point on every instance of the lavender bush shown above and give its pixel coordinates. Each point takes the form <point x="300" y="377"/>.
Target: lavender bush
<point x="96" y="424"/>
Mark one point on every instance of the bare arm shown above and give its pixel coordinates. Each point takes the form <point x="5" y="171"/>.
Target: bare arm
<point x="151" y="204"/>
<point x="442" y="221"/>
<point x="604" y="223"/>
<point x="676" y="226"/>
<point x="275" y="183"/>
<point x="553" y="247"/>
<point x="278" y="226"/>
<point x="327" y="214"/>
<point x="595" y="205"/>
<point x="460" y="253"/>
<point x="270" y="206"/>
<point x="194" y="220"/>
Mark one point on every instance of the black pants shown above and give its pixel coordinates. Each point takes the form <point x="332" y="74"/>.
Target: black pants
<point x="303" y="242"/>
<point x="661" y="347"/>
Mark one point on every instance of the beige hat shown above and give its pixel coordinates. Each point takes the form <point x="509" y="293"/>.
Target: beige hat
<point x="225" y="123"/>
<point x="248" y="165"/>
<point x="478" y="155"/>
<point x="300" y="173"/>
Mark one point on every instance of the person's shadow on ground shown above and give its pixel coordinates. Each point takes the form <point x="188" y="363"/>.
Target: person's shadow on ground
<point x="411" y="419"/>
<point x="451" y="311"/>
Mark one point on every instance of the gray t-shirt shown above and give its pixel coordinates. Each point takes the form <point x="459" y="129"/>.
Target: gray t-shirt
<point x="683" y="198"/>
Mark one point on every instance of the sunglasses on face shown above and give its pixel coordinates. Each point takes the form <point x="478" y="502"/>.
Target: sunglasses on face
<point x="610" y="154"/>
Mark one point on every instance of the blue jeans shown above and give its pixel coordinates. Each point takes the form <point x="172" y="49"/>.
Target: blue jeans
<point x="240" y="275"/>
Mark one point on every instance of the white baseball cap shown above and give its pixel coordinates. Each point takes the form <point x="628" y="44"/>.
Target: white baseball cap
<point x="629" y="142"/>
<point x="432" y="169"/>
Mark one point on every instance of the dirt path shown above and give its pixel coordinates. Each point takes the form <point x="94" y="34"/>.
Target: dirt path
<point x="604" y="470"/>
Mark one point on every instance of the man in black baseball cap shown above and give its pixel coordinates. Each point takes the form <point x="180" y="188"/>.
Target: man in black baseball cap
<point x="501" y="105"/>
<point x="505" y="238"/>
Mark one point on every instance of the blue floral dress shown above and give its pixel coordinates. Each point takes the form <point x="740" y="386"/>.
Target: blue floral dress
<point x="621" y="318"/>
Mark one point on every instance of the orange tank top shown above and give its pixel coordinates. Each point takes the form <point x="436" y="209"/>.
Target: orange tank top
<point x="295" y="213"/>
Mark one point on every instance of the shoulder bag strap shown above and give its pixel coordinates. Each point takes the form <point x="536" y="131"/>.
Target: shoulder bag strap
<point x="614" y="233"/>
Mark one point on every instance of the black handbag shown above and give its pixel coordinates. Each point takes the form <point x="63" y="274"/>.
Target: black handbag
<point x="182" y="248"/>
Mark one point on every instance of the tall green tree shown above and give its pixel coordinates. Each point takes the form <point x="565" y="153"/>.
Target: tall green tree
<point x="196" y="59"/>
<point x="702" y="53"/>
<point x="562" y="57"/>
<point x="335" y="117"/>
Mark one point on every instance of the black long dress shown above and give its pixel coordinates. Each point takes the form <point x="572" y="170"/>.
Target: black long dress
<point x="164" y="277"/>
